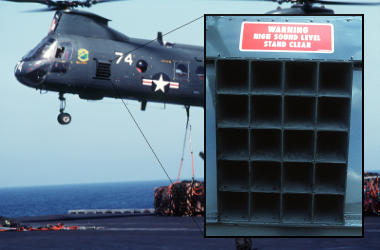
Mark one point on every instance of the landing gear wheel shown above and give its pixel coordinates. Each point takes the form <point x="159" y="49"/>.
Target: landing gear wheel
<point x="64" y="118"/>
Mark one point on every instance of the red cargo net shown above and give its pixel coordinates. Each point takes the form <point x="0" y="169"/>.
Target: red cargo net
<point x="184" y="198"/>
<point x="23" y="228"/>
<point x="371" y="193"/>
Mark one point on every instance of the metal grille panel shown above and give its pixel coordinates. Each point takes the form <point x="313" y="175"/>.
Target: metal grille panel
<point x="282" y="140"/>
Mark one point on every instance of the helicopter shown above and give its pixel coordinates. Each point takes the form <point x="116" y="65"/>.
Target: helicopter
<point x="308" y="7"/>
<point x="82" y="55"/>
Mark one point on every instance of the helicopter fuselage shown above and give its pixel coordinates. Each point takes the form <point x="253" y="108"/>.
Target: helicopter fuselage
<point x="82" y="55"/>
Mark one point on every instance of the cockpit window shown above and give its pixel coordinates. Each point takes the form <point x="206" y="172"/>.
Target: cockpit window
<point x="63" y="51"/>
<point x="44" y="50"/>
<point x="59" y="52"/>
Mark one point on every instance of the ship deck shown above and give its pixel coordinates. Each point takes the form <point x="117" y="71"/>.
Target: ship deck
<point x="155" y="232"/>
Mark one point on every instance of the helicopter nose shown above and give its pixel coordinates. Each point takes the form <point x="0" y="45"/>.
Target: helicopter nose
<point x="30" y="73"/>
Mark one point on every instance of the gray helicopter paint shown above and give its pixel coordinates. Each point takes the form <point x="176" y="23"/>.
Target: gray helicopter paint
<point x="90" y="32"/>
<point x="96" y="26"/>
<point x="222" y="42"/>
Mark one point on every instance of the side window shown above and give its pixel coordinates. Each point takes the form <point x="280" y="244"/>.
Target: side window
<point x="181" y="70"/>
<point x="141" y="66"/>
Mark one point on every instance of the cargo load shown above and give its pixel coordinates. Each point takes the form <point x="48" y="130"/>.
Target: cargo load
<point x="8" y="224"/>
<point x="185" y="198"/>
<point x="371" y="194"/>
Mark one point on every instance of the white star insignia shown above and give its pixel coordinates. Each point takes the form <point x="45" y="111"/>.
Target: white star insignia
<point x="160" y="84"/>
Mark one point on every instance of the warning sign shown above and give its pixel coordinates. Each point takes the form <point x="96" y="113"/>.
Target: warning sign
<point x="287" y="37"/>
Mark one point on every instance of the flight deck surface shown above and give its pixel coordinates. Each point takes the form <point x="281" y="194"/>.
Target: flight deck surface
<point x="155" y="232"/>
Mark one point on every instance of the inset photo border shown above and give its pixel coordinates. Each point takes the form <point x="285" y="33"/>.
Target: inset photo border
<point x="284" y="134"/>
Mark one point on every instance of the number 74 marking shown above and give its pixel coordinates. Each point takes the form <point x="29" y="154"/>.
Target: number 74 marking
<point x="127" y="59"/>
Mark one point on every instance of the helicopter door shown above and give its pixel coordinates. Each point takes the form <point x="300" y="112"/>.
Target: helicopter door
<point x="63" y="56"/>
<point x="181" y="71"/>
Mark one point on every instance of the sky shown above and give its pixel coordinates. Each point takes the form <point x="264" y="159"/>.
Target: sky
<point x="102" y="144"/>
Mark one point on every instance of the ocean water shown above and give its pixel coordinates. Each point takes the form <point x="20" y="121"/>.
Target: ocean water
<point x="49" y="200"/>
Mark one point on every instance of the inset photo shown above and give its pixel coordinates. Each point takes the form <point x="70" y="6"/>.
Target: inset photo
<point x="284" y="126"/>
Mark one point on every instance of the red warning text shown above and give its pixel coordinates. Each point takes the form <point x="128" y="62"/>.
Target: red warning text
<point x="287" y="37"/>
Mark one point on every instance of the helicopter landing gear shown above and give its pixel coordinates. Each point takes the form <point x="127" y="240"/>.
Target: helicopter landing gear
<point x="63" y="118"/>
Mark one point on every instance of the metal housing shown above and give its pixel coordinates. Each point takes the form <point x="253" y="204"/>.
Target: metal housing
<point x="282" y="129"/>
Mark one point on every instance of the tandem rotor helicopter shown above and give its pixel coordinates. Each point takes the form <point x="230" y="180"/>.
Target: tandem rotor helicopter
<point x="82" y="55"/>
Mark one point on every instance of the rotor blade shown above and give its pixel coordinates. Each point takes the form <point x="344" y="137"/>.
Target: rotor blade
<point x="345" y="3"/>
<point x="104" y="1"/>
<point x="45" y="2"/>
<point x="41" y="10"/>
<point x="247" y="1"/>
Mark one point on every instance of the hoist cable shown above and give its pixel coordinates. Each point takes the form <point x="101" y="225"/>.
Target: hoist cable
<point x="142" y="133"/>
<point x="184" y="141"/>
<point x="138" y="126"/>
<point x="191" y="152"/>
<point x="130" y="113"/>
<point x="183" y="149"/>
<point x="167" y="33"/>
